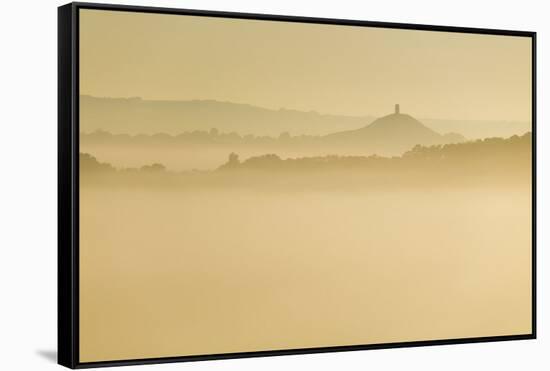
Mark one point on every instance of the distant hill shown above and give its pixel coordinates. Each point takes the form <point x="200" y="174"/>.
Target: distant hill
<point x="392" y="134"/>
<point x="139" y="116"/>
<point x="388" y="136"/>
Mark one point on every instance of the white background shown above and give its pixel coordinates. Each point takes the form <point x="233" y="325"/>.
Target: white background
<point x="28" y="148"/>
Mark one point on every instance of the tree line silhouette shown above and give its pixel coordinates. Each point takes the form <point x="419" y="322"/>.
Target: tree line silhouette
<point x="389" y="135"/>
<point x="90" y="165"/>
<point x="496" y="152"/>
<point x="492" y="154"/>
<point x="205" y="137"/>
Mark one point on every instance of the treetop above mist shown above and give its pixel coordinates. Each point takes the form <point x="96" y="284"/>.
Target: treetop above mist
<point x="507" y="152"/>
<point x="497" y="153"/>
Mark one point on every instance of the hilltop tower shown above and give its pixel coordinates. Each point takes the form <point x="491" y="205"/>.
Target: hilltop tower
<point x="397" y="109"/>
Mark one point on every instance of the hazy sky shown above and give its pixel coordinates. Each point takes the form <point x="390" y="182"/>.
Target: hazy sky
<point x="326" y="68"/>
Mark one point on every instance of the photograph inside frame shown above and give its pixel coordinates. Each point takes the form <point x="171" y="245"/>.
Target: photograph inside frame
<point x="251" y="185"/>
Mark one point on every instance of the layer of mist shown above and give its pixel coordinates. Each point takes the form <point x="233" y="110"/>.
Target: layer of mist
<point x="481" y="162"/>
<point x="166" y="272"/>
<point x="141" y="116"/>
<point x="268" y="252"/>
<point x="390" y="135"/>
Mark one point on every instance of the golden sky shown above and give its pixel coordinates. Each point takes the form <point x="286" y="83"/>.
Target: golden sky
<point x="326" y="68"/>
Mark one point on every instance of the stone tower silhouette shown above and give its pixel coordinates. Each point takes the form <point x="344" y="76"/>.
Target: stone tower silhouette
<point x="397" y="109"/>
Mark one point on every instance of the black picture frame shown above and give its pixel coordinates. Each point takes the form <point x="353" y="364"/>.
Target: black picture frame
<point x="68" y="183"/>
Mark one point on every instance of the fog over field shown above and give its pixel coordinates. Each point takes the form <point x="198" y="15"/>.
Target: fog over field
<point x="222" y="271"/>
<point x="266" y="253"/>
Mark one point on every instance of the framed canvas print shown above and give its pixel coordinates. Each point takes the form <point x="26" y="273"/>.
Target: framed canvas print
<point x="238" y="185"/>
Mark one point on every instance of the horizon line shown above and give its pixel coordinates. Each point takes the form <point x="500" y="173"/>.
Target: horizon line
<point x="312" y="111"/>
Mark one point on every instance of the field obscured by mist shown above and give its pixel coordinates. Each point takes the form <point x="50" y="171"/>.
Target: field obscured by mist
<point x="223" y="270"/>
